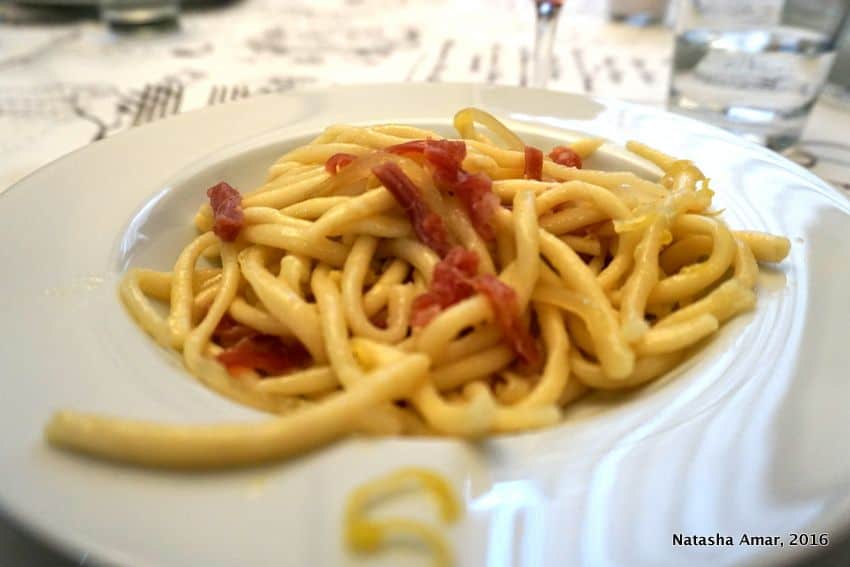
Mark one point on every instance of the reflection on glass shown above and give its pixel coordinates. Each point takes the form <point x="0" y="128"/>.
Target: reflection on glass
<point x="132" y="15"/>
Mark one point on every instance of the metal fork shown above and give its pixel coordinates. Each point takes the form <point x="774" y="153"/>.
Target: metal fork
<point x="158" y="101"/>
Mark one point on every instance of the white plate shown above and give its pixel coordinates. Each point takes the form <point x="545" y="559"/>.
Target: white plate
<point x="746" y="437"/>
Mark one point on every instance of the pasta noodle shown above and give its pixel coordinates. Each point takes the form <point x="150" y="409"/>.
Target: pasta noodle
<point x="386" y="280"/>
<point x="364" y="534"/>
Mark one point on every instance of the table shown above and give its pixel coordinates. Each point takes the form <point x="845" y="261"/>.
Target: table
<point x="66" y="85"/>
<point x="70" y="82"/>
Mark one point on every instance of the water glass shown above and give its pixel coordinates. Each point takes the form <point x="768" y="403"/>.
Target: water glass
<point x="838" y="82"/>
<point x="547" y="12"/>
<point x="754" y="67"/>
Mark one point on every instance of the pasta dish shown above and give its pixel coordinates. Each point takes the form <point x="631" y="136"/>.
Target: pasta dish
<point x="388" y="281"/>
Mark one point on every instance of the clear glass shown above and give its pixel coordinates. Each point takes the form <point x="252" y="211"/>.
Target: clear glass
<point x="754" y="67"/>
<point x="838" y="82"/>
<point x="134" y="14"/>
<point x="544" y="40"/>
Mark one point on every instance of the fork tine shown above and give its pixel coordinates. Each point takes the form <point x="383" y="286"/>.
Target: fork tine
<point x="213" y="95"/>
<point x="222" y="94"/>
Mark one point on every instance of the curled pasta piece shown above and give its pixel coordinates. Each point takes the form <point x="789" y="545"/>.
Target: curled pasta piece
<point x="367" y="535"/>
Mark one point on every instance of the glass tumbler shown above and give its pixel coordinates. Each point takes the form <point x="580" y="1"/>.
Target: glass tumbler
<point x="754" y="67"/>
<point x="838" y="82"/>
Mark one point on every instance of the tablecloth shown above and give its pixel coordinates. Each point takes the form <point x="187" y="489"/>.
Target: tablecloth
<point x="65" y="85"/>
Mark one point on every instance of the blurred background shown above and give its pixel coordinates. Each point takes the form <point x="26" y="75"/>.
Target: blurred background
<point x="76" y="71"/>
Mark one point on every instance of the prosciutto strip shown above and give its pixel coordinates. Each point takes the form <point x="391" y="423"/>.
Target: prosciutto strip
<point x="565" y="156"/>
<point x="450" y="283"/>
<point x="226" y="203"/>
<point x="338" y="161"/>
<point x="444" y="156"/>
<point x="454" y="280"/>
<point x="246" y="348"/>
<point x="503" y="300"/>
<point x="533" y="163"/>
<point x="473" y="190"/>
<point x="427" y="225"/>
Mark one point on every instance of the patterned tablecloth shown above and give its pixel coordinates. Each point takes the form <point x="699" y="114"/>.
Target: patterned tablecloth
<point x="68" y="82"/>
<point x="65" y="85"/>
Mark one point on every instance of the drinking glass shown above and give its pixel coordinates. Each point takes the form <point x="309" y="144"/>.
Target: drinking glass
<point x="838" y="82"/>
<point x="547" y="12"/>
<point x="754" y="67"/>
